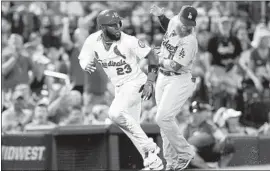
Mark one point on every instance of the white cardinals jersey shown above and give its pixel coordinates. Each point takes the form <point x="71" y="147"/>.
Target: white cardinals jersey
<point x="120" y="62"/>
<point x="182" y="50"/>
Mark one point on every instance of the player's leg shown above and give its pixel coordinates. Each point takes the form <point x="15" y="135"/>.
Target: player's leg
<point x="133" y="111"/>
<point x="176" y="91"/>
<point x="169" y="152"/>
<point x="119" y="114"/>
<point x="127" y="97"/>
<point x="152" y="160"/>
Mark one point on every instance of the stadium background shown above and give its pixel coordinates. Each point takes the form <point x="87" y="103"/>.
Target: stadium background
<point x="73" y="127"/>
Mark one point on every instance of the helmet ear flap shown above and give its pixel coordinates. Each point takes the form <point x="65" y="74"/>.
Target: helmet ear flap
<point x="98" y="27"/>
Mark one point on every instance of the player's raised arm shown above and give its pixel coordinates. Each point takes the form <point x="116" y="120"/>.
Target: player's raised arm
<point x="86" y="56"/>
<point x="159" y="12"/>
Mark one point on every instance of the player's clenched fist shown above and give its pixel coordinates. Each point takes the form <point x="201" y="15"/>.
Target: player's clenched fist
<point x="147" y="90"/>
<point x="156" y="11"/>
<point x="91" y="67"/>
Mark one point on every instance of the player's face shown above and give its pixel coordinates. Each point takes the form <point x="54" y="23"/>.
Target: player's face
<point x="181" y="29"/>
<point x="113" y="31"/>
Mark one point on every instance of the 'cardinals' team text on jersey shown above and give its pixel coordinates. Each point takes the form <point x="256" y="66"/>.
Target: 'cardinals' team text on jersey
<point x="182" y="50"/>
<point x="120" y="62"/>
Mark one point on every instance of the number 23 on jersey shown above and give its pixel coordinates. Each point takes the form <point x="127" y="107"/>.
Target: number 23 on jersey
<point x="123" y="70"/>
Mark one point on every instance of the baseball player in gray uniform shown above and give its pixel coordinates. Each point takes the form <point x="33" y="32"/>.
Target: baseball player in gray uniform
<point x="175" y="83"/>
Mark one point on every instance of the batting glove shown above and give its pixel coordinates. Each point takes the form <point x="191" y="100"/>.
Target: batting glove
<point x="147" y="90"/>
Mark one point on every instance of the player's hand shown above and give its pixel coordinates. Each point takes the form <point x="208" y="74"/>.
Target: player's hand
<point x="156" y="11"/>
<point x="147" y="90"/>
<point x="91" y="67"/>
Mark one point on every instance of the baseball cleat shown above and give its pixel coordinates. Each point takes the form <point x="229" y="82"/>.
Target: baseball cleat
<point x="183" y="163"/>
<point x="155" y="165"/>
<point x="169" y="168"/>
<point x="147" y="160"/>
<point x="152" y="161"/>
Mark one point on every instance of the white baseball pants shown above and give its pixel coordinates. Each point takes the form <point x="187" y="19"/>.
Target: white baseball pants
<point x="171" y="93"/>
<point x="125" y="111"/>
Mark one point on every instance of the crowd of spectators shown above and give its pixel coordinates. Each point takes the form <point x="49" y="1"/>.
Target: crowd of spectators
<point x="43" y="85"/>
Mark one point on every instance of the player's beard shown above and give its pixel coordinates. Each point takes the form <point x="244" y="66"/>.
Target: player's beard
<point x="183" y="31"/>
<point x="112" y="36"/>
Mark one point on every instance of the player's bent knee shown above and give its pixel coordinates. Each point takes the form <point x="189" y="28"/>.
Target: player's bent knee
<point x="159" y="121"/>
<point x="164" y="119"/>
<point x="114" y="114"/>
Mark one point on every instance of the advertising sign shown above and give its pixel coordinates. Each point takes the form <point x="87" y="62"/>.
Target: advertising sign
<point x="26" y="152"/>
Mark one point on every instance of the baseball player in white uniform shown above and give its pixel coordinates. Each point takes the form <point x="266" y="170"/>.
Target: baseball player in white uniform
<point x="120" y="56"/>
<point x="175" y="83"/>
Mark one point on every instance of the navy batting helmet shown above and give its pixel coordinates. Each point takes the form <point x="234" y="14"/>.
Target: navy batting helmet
<point x="108" y="17"/>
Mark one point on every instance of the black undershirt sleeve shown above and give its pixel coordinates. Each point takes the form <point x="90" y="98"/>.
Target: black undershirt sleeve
<point x="164" y="22"/>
